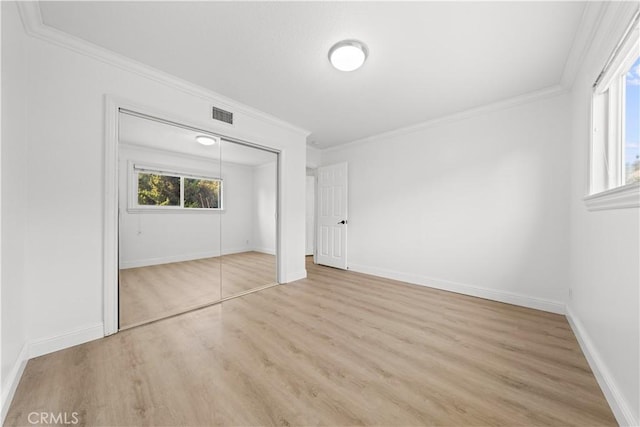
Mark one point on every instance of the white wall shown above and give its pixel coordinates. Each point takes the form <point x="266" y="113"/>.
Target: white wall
<point x="476" y="205"/>
<point x="64" y="242"/>
<point x="149" y="238"/>
<point x="14" y="200"/>
<point x="264" y="195"/>
<point x="314" y="157"/>
<point x="495" y="185"/>
<point x="605" y="277"/>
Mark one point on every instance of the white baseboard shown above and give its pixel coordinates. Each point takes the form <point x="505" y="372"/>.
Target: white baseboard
<point x="461" y="288"/>
<point x="10" y="384"/>
<point x="617" y="402"/>
<point x="41" y="347"/>
<point x="179" y="258"/>
<point x="268" y="251"/>
<point x="298" y="275"/>
<point x="68" y="339"/>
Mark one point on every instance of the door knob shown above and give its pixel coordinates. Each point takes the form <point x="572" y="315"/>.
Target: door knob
<point x="344" y="221"/>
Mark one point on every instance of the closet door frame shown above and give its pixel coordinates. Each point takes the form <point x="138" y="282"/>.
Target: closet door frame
<point x="113" y="108"/>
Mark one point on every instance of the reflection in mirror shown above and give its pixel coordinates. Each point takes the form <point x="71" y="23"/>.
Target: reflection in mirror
<point x="249" y="218"/>
<point x="171" y="197"/>
<point x="197" y="219"/>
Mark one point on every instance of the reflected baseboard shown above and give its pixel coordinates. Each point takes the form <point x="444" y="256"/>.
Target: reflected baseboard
<point x="148" y="262"/>
<point x="195" y="307"/>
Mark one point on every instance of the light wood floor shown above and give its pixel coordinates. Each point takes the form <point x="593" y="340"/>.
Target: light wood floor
<point x="148" y="293"/>
<point x="338" y="348"/>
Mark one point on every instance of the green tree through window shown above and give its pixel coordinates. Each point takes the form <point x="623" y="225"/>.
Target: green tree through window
<point x="158" y="190"/>
<point x="201" y="193"/>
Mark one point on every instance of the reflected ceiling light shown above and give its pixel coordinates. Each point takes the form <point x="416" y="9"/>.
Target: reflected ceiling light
<point x="348" y="55"/>
<point x="207" y="140"/>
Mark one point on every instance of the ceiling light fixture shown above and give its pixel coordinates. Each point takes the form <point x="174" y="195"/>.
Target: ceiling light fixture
<point x="207" y="140"/>
<point x="348" y="55"/>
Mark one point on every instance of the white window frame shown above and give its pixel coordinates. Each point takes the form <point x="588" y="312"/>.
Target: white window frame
<point x="607" y="186"/>
<point x="136" y="168"/>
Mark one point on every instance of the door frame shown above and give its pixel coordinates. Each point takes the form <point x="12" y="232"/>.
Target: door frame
<point x="111" y="237"/>
<point x="314" y="225"/>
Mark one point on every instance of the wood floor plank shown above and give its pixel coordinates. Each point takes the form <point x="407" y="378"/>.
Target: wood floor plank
<point x="338" y="348"/>
<point x="157" y="291"/>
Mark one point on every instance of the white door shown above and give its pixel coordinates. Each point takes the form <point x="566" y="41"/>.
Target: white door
<point x="332" y="216"/>
<point x="311" y="213"/>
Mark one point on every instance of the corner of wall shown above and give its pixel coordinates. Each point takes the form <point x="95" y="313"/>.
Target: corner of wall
<point x="40" y="347"/>
<point x="314" y="157"/>
<point x="294" y="276"/>
<point x="14" y="128"/>
<point x="10" y="384"/>
<point x="603" y="244"/>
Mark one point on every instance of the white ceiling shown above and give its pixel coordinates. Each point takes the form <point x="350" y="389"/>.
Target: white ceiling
<point x="426" y="60"/>
<point x="151" y="134"/>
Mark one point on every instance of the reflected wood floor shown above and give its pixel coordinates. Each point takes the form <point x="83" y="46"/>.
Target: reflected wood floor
<point x="156" y="291"/>
<point x="338" y="348"/>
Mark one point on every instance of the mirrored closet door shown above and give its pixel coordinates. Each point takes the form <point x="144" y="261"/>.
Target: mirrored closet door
<point x="249" y="218"/>
<point x="197" y="219"/>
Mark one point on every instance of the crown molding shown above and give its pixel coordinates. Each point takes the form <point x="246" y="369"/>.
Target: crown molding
<point x="34" y="26"/>
<point x="590" y="21"/>
<point x="599" y="32"/>
<point x="615" y="20"/>
<point x="587" y="29"/>
<point x="505" y="104"/>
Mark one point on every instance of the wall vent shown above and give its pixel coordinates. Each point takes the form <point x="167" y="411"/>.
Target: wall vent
<point x="222" y="115"/>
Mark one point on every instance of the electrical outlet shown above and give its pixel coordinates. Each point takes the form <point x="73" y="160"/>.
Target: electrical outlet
<point x="570" y="293"/>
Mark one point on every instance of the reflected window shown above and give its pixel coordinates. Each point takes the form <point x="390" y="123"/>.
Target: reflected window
<point x="158" y="190"/>
<point x="200" y="193"/>
<point x="162" y="189"/>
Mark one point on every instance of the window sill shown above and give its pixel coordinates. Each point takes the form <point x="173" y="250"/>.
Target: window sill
<point x="627" y="196"/>
<point x="172" y="211"/>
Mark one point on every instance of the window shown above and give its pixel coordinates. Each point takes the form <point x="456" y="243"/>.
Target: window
<point x="165" y="190"/>
<point x="615" y="138"/>
<point x="155" y="189"/>
<point x="632" y="123"/>
<point x="200" y="193"/>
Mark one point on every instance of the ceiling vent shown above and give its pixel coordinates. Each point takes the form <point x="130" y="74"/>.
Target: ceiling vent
<point x="222" y="115"/>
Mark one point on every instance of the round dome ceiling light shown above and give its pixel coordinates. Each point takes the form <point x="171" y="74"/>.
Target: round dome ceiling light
<point x="207" y="140"/>
<point x="348" y="55"/>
